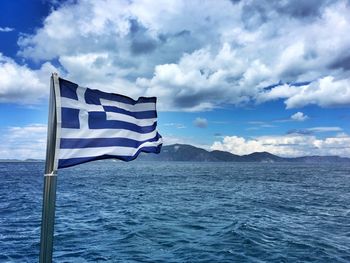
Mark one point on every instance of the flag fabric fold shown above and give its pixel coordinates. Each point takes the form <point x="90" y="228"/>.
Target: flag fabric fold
<point x="94" y="125"/>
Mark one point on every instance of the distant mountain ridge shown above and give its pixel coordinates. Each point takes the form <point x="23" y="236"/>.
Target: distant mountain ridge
<point x="21" y="161"/>
<point x="189" y="153"/>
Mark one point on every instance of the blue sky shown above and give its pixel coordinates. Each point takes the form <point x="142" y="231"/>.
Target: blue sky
<point x="239" y="76"/>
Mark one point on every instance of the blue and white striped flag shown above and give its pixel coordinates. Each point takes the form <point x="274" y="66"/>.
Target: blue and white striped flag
<point x="93" y="125"/>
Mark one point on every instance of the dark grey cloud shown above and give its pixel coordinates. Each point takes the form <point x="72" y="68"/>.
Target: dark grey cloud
<point x="254" y="16"/>
<point x="310" y="54"/>
<point x="256" y="13"/>
<point x="342" y="62"/>
<point x="147" y="51"/>
<point x="183" y="33"/>
<point x="143" y="46"/>
<point x="193" y="99"/>
<point x="175" y="43"/>
<point x="141" y="42"/>
<point x="189" y="100"/>
<point x="292" y="73"/>
<point x="301" y="8"/>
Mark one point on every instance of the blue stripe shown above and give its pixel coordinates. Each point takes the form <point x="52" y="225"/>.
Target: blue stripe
<point x="138" y="115"/>
<point x="64" y="163"/>
<point x="70" y="118"/>
<point x="93" y="96"/>
<point x="97" y="120"/>
<point x="68" y="89"/>
<point x="69" y="143"/>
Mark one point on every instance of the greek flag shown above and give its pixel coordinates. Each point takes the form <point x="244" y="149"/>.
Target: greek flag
<point x="94" y="125"/>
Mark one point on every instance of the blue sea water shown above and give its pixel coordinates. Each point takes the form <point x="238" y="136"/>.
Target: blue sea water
<point x="180" y="212"/>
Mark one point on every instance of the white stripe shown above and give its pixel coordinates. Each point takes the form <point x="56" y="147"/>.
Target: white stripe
<point x="83" y="114"/>
<point x="56" y="87"/>
<point x="106" y="133"/>
<point x="130" y="119"/>
<point x="85" y="108"/>
<point x="98" y="151"/>
<point x="150" y="106"/>
<point x="75" y="104"/>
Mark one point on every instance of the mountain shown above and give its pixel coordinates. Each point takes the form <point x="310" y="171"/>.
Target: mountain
<point x="189" y="153"/>
<point x="262" y="157"/>
<point x="20" y="161"/>
<point x="9" y="160"/>
<point x="319" y="159"/>
<point x="181" y="152"/>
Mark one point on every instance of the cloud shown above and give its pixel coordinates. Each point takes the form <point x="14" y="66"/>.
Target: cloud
<point x="19" y="83"/>
<point x="260" y="11"/>
<point x="6" y="29"/>
<point x="241" y="71"/>
<point x="325" y="129"/>
<point x="313" y="130"/>
<point x="259" y="124"/>
<point x="98" y="71"/>
<point x="325" y="92"/>
<point x="200" y="122"/>
<point x="197" y="55"/>
<point x="28" y="142"/>
<point x="198" y="81"/>
<point x="290" y="145"/>
<point x="342" y="62"/>
<point x="176" y="125"/>
<point x="169" y="139"/>
<point x="300" y="131"/>
<point x="299" y="116"/>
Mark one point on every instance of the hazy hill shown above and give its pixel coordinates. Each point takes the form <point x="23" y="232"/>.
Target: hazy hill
<point x="189" y="153"/>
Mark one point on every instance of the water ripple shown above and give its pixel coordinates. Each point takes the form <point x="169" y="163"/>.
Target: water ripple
<point x="180" y="212"/>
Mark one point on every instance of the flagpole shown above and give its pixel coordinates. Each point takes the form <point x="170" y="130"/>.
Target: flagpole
<point x="50" y="181"/>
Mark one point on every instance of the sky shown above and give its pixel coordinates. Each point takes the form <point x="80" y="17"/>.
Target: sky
<point x="239" y="76"/>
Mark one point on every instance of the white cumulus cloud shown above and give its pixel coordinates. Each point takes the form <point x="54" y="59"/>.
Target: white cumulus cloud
<point x="6" y="29"/>
<point x="291" y="145"/>
<point x="325" y="129"/>
<point x="196" y="55"/>
<point x="325" y="92"/>
<point x="28" y="142"/>
<point x="19" y="83"/>
<point x="299" y="116"/>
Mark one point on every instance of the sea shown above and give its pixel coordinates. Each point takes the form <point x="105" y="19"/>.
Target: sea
<point x="111" y="211"/>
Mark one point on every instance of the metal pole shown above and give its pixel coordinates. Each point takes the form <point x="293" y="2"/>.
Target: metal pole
<point x="50" y="178"/>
